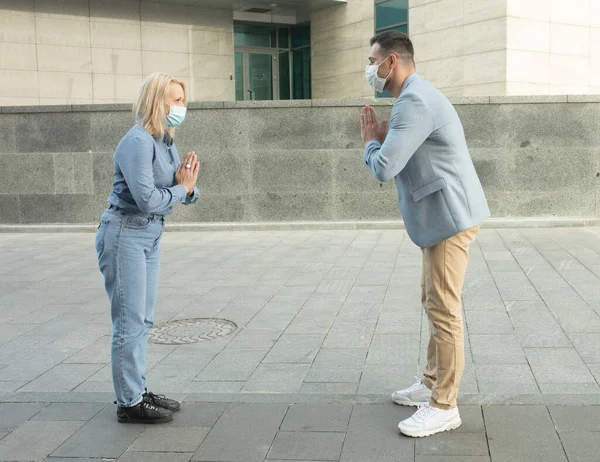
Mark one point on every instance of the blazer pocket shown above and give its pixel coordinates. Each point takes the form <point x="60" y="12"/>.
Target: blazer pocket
<point x="428" y="189"/>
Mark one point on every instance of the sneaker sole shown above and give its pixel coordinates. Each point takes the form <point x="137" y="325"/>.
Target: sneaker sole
<point x="146" y="421"/>
<point x="408" y="403"/>
<point x="452" y="425"/>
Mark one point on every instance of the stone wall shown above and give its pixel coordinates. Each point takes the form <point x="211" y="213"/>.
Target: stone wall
<point x="298" y="160"/>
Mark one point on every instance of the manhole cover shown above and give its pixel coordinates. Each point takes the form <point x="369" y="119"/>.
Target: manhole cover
<point x="182" y="331"/>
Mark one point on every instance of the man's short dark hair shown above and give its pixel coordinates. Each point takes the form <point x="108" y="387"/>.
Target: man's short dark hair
<point x="394" y="41"/>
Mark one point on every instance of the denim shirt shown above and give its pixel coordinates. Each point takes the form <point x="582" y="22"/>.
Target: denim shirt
<point x="144" y="178"/>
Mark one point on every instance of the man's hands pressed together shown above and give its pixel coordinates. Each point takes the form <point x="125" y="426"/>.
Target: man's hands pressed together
<point x="369" y="127"/>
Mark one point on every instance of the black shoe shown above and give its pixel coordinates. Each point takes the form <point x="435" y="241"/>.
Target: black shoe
<point x="160" y="401"/>
<point x="144" y="413"/>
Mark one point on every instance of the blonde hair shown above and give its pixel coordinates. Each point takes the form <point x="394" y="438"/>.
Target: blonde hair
<point x="149" y="109"/>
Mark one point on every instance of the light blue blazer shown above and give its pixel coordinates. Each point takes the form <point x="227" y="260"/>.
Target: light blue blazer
<point x="425" y="151"/>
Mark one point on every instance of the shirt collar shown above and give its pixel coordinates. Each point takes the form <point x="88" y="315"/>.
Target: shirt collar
<point x="409" y="79"/>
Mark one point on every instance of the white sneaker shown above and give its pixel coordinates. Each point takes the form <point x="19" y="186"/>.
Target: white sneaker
<point x="412" y="396"/>
<point x="429" y="420"/>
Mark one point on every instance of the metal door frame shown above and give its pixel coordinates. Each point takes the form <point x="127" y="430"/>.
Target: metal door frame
<point x="246" y="68"/>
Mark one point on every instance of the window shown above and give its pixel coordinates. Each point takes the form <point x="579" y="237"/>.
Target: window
<point x="272" y="62"/>
<point x="390" y="15"/>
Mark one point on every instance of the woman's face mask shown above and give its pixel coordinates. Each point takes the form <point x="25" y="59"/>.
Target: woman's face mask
<point x="176" y="116"/>
<point x="373" y="79"/>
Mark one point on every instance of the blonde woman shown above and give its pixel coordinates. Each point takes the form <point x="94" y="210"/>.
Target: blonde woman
<point x="148" y="182"/>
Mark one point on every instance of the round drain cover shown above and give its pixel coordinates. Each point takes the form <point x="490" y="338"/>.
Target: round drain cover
<point x="182" y="331"/>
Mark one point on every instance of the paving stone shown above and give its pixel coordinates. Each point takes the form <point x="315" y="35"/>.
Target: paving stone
<point x="506" y="379"/>
<point x="588" y="346"/>
<point x="277" y="378"/>
<point x="393" y="349"/>
<point x="587" y="321"/>
<point x="334" y="374"/>
<point x="523" y="433"/>
<point x="372" y="434"/>
<point x="69" y="411"/>
<point x="472" y="418"/>
<point x="101" y="437"/>
<point x="453" y="444"/>
<point x="7" y="387"/>
<point x="581" y="446"/>
<point x="130" y="456"/>
<point x="63" y="377"/>
<point x="586" y="388"/>
<point x="170" y="439"/>
<point x="237" y="437"/>
<point x="575" y="418"/>
<point x="329" y="388"/>
<point x="419" y="458"/>
<point x="295" y="349"/>
<point x="232" y="365"/>
<point x="197" y="414"/>
<point x="489" y="323"/>
<point x="214" y="387"/>
<point x="387" y="379"/>
<point x="18" y="445"/>
<point x="13" y="415"/>
<point x="496" y="349"/>
<point x="344" y="358"/>
<point x="557" y="365"/>
<point x="317" y="418"/>
<point x="255" y="338"/>
<point x="307" y="445"/>
<point x="350" y="335"/>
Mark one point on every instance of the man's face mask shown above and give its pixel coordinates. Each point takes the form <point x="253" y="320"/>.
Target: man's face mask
<point x="373" y="79"/>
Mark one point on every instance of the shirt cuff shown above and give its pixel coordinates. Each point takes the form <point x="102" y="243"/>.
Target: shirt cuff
<point x="180" y="193"/>
<point x="193" y="198"/>
<point x="371" y="145"/>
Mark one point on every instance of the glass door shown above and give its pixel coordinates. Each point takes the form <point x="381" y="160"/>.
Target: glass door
<point x="256" y="75"/>
<point x="261" y="76"/>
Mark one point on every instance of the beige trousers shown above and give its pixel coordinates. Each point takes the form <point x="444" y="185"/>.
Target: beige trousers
<point x="444" y="269"/>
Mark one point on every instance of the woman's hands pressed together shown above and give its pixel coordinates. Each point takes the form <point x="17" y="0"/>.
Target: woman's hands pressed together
<point x="187" y="172"/>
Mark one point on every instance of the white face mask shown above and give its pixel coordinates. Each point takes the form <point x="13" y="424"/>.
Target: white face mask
<point x="373" y="79"/>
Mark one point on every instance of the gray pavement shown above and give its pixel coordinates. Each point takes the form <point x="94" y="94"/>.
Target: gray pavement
<point x="328" y="325"/>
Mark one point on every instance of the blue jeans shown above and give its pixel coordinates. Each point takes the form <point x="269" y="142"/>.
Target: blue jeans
<point x="128" y="248"/>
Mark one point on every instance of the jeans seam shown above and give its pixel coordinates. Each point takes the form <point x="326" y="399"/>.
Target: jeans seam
<point x="121" y="316"/>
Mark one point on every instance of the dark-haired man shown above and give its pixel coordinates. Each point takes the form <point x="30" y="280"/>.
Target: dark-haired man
<point x="442" y="204"/>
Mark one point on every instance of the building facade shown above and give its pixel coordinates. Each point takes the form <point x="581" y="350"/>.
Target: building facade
<point x="98" y="51"/>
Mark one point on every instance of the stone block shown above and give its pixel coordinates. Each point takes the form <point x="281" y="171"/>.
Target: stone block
<point x="583" y="445"/>
<point x="37" y="165"/>
<point x="64" y="377"/>
<point x="18" y="56"/>
<point x="60" y="208"/>
<point x="13" y="415"/>
<point x="522" y="433"/>
<point x="210" y="42"/>
<point x="17" y="445"/>
<point x="115" y="61"/>
<point x="62" y="132"/>
<point x="457" y="444"/>
<point x="170" y="439"/>
<point x="528" y="34"/>
<point x="18" y="88"/>
<point x="115" y="35"/>
<point x="372" y="434"/>
<point x="236" y="435"/>
<point x="50" y="58"/>
<point x="277" y="378"/>
<point x="232" y="365"/>
<point x="307" y="445"/>
<point x="17" y="28"/>
<point x="101" y="437"/>
<point x="72" y="412"/>
<point x="175" y="64"/>
<point x="295" y="349"/>
<point x="131" y="456"/>
<point x="317" y="418"/>
<point x="557" y="365"/>
<point x="506" y="379"/>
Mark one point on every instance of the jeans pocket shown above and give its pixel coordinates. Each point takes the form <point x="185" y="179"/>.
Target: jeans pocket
<point x="136" y="222"/>
<point x="100" y="235"/>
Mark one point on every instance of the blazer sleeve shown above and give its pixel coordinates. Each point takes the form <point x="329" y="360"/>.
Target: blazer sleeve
<point x="135" y="159"/>
<point x="410" y="125"/>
